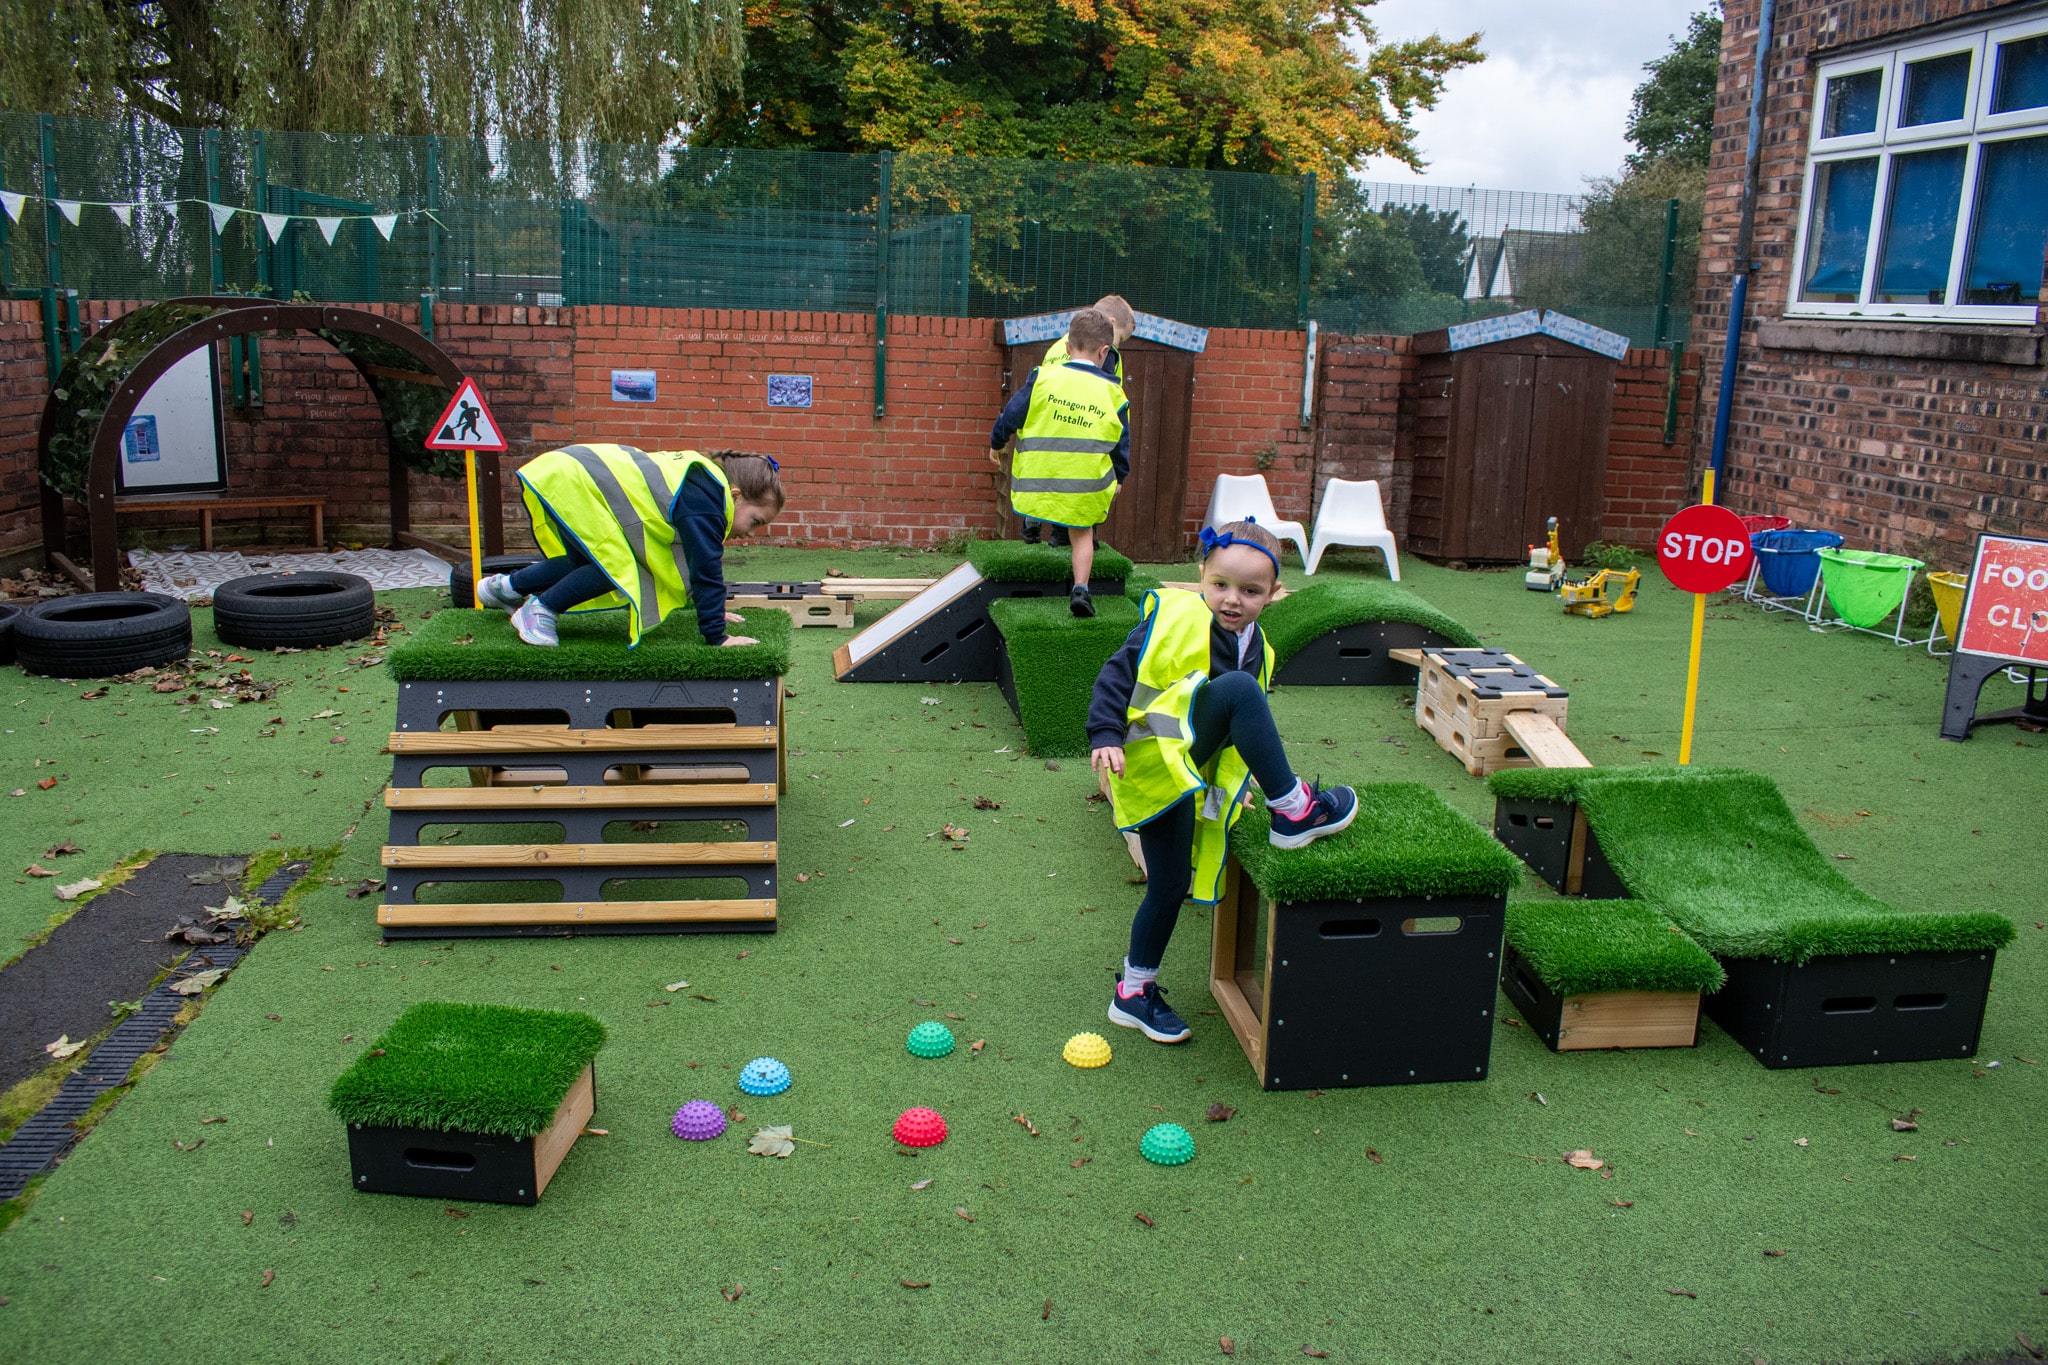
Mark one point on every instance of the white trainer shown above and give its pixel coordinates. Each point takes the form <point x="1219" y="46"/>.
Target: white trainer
<point x="535" y="623"/>
<point x="497" y="591"/>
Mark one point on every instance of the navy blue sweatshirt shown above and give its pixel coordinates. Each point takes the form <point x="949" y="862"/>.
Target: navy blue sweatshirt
<point x="1012" y="420"/>
<point x="698" y="514"/>
<point x="1109" y="708"/>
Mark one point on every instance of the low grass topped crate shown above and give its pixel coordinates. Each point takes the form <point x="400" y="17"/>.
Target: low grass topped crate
<point x="1047" y="663"/>
<point x="944" y="634"/>
<point x="1536" y="815"/>
<point x="1605" y="974"/>
<point x="1370" y="957"/>
<point x="1335" y="633"/>
<point x="565" y="749"/>
<point x="1820" y="972"/>
<point x="477" y="1102"/>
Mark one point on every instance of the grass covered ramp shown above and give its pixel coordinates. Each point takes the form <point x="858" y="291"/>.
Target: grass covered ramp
<point x="468" y="1068"/>
<point x="477" y="646"/>
<point x="1331" y="604"/>
<point x="1581" y="947"/>
<point x="1054" y="659"/>
<point x="1406" y="841"/>
<point x="1013" y="561"/>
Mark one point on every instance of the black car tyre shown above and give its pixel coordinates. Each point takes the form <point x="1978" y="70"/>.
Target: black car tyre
<point x="102" y="634"/>
<point x="8" y="612"/>
<point x="294" y="610"/>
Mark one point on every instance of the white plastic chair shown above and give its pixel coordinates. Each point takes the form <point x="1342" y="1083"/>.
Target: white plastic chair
<point x="1352" y="514"/>
<point x="1238" y="496"/>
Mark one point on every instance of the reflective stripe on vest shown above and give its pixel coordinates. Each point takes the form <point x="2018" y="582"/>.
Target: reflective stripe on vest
<point x="1062" y="471"/>
<point x="613" y="503"/>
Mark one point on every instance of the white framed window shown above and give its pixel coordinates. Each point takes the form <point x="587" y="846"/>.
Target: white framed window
<point x="1926" y="194"/>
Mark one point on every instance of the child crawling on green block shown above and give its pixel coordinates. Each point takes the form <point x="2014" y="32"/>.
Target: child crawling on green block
<point x="643" y="530"/>
<point x="1180" y="724"/>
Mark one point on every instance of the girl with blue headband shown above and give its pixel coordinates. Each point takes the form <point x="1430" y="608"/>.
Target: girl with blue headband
<point x="642" y="530"/>
<point x="1180" y="726"/>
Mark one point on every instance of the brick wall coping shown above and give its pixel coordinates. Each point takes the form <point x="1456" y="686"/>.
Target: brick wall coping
<point x="1921" y="341"/>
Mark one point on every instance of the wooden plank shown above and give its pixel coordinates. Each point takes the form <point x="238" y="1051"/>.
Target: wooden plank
<point x="550" y="1147"/>
<point x="880" y="589"/>
<point x="574" y="912"/>
<point x="560" y="739"/>
<point x="829" y="610"/>
<point x="1411" y="657"/>
<point x="1629" y="1019"/>
<point x="1546" y="745"/>
<point x="624" y="796"/>
<point x="579" y="855"/>
<point x="842" y="660"/>
<point x="1575" y="860"/>
<point x="1223" y="987"/>
<point x="143" y="502"/>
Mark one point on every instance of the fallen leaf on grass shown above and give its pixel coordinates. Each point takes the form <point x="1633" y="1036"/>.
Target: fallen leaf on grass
<point x="915" y="1284"/>
<point x="1623" y="1203"/>
<point x="1029" y="1127"/>
<point x="368" y="886"/>
<point x="198" y="981"/>
<point x="1143" y="1219"/>
<point x="328" y="714"/>
<point x="960" y="1017"/>
<point x="1904" y="1156"/>
<point x="1313" y="1353"/>
<point x="1778" y="1251"/>
<point x="248" y="1217"/>
<point x="63" y="850"/>
<point x="984" y="803"/>
<point x="1227" y="1346"/>
<point x="2028" y="1345"/>
<point x="1537" y="1095"/>
<point x="1801" y="1142"/>
<point x="977" y="1045"/>
<point x="1372" y="1154"/>
<point x="1079" y="1162"/>
<point x="1682" y="1293"/>
<point x="63" y="1047"/>
<point x="47" y="783"/>
<point x="268" y="1276"/>
<point x="1583" y="1159"/>
<point x="1820" y="1089"/>
<point x="676" y="986"/>
<point x="923" y="1184"/>
<point x="1905" y="1126"/>
<point x="1046" y="1313"/>
<point x="732" y="1295"/>
<point x="37" y="870"/>
<point x="74" y="890"/>
<point x="1218" y="1112"/>
<point x="453" y="1212"/>
<point x="959" y="1212"/>
<point x="188" y="1146"/>
<point x="216" y="1119"/>
<point x="773" y="1141"/>
<point x="1512" y="1023"/>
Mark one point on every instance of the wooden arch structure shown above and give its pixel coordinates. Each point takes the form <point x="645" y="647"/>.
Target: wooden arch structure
<point x="221" y="319"/>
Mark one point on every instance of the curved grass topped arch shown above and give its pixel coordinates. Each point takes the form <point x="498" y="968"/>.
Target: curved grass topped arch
<point x="78" y="446"/>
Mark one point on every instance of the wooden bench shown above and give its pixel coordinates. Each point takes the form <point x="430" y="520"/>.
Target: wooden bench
<point x="206" y="506"/>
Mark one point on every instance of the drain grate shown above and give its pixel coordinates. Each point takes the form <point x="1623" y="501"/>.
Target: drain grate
<point x="42" y="1141"/>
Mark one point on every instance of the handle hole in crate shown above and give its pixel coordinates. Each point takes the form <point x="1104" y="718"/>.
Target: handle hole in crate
<point x="1924" y="1000"/>
<point x="1360" y="653"/>
<point x="1350" y="928"/>
<point x="1848" y="1004"/>
<point x="1433" y="924"/>
<point x="434" y="1160"/>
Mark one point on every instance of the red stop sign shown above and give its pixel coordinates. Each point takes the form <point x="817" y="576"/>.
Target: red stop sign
<point x="1704" y="549"/>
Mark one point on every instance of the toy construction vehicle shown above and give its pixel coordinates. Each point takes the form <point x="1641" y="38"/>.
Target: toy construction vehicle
<point x="1604" y="594"/>
<point x="1546" y="564"/>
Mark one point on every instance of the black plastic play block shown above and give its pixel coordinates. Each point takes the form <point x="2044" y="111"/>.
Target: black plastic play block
<point x="1858" y="1008"/>
<point x="1541" y="833"/>
<point x="1359" y="655"/>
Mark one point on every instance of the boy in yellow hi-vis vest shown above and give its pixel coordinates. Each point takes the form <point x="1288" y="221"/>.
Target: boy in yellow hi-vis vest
<point x="1180" y="724"/>
<point x="1123" y="323"/>
<point x="1073" y="448"/>
<point x="642" y="530"/>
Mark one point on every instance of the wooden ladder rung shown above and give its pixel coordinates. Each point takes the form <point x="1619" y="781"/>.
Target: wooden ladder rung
<point x="1539" y="737"/>
<point x="625" y="795"/>
<point x="560" y="739"/>
<point x="579" y="855"/>
<point x="574" y="912"/>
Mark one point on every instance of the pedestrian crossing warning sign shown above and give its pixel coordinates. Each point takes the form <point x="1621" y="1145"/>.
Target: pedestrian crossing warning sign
<point x="466" y="424"/>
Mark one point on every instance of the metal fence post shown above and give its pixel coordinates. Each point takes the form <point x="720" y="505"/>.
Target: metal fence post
<point x="433" y="222"/>
<point x="1664" y="275"/>
<point x="53" y="264"/>
<point x="1308" y="237"/>
<point x="1672" y="379"/>
<point x="882" y="168"/>
<point x="209" y="140"/>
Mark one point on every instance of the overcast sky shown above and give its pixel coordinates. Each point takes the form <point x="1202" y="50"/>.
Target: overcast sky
<point x="1547" y="107"/>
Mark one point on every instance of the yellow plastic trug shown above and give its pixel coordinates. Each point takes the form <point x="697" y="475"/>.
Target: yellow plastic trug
<point x="1086" y="1050"/>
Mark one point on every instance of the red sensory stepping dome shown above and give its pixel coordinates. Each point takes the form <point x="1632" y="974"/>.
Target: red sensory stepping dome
<point x="920" y="1127"/>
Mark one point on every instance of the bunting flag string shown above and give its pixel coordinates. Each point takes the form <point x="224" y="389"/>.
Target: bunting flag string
<point x="12" y="203"/>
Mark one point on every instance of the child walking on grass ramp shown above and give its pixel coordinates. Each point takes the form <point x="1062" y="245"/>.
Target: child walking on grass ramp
<point x="1180" y="724"/>
<point x="1073" y="435"/>
<point x="643" y="530"/>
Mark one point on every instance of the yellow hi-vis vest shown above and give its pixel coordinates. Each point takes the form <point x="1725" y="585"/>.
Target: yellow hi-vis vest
<point x="1173" y="664"/>
<point x="614" y="503"/>
<point x="1056" y="354"/>
<point x="1061" y="471"/>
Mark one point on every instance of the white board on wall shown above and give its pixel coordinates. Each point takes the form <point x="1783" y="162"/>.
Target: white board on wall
<point x="173" y="442"/>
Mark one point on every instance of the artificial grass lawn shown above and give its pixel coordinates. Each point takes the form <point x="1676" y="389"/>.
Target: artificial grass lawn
<point x="1012" y="561"/>
<point x="1722" y="854"/>
<point x="481" y="645"/>
<point x="1325" y="604"/>
<point x="1405" y="841"/>
<point x="1581" y="947"/>
<point x="468" y="1068"/>
<point x="1055" y="657"/>
<point x="135" y="1247"/>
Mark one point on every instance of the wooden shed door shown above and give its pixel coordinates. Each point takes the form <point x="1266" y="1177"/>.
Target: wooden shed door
<point x="1570" y="416"/>
<point x="1146" y="520"/>
<point x="1496" y="388"/>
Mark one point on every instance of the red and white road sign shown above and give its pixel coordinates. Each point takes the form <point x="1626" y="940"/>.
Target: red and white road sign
<point x="2006" y="613"/>
<point x="1704" y="549"/>
<point x="466" y="423"/>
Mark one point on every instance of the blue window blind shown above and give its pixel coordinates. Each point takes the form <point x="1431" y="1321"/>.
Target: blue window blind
<point x="2011" y="229"/>
<point x="1852" y="102"/>
<point x="1839" y="235"/>
<point x="2021" y="81"/>
<point x="1920" y="226"/>
<point x="1937" y="90"/>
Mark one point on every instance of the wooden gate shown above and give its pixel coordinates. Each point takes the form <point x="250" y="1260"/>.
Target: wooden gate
<point x="1147" y="521"/>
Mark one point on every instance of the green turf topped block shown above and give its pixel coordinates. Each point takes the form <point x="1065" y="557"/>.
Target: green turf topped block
<point x="1054" y="657"/>
<point x="1320" y="608"/>
<point x="472" y="646"/>
<point x="1012" y="561"/>
<point x="1580" y="947"/>
<point x="468" y="1068"/>
<point x="1564" y="784"/>
<point x="1406" y="841"/>
<point x="1723" y="855"/>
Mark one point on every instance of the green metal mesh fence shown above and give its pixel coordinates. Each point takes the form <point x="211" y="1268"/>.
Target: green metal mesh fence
<point x="127" y="210"/>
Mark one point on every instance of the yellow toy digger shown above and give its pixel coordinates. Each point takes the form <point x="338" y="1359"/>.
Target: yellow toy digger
<point x="1591" y="596"/>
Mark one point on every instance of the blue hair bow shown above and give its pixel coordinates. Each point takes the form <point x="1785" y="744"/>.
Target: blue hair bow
<point x="1214" y="540"/>
<point x="773" y="463"/>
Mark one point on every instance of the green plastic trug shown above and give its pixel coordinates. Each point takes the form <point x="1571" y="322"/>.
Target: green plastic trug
<point x="930" y="1040"/>
<point x="1167" y="1144"/>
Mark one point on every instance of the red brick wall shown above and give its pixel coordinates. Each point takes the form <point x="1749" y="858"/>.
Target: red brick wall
<point x="1900" y="454"/>
<point x="1364" y="430"/>
<point x="24" y="384"/>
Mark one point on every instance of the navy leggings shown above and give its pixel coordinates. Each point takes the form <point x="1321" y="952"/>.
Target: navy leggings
<point x="1231" y="710"/>
<point x="562" y="582"/>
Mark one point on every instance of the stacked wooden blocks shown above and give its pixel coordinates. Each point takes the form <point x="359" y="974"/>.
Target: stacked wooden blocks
<point x="1489" y="710"/>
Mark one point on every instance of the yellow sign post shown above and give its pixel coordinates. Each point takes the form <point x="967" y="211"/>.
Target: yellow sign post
<point x="476" y="550"/>
<point x="1692" y="662"/>
<point x="1702" y="549"/>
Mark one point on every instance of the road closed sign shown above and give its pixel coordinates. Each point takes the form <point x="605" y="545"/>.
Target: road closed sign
<point x="2005" y="615"/>
<point x="1704" y="549"/>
